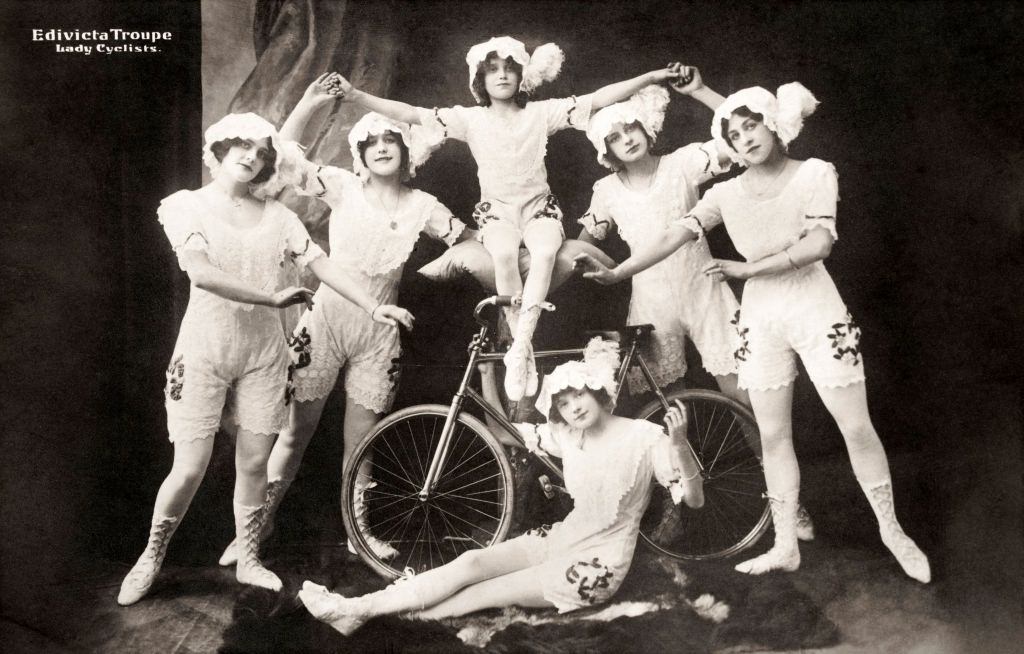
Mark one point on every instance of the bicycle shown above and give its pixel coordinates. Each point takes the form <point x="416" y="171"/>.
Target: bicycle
<point x="442" y="482"/>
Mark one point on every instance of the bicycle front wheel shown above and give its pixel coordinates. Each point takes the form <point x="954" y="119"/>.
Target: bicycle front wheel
<point x="381" y="503"/>
<point x="722" y="434"/>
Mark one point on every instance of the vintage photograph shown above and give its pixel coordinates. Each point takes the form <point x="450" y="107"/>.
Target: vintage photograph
<point x="512" y="326"/>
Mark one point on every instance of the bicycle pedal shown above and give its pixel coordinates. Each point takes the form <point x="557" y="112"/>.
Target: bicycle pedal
<point x="550" y="490"/>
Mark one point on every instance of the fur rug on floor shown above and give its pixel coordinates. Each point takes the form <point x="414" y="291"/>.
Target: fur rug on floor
<point x="661" y="607"/>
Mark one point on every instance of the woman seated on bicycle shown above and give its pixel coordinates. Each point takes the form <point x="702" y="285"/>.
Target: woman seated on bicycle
<point x="608" y="461"/>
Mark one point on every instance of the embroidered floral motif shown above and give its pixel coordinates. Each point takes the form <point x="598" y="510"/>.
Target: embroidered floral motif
<point x="176" y="378"/>
<point x="588" y="576"/>
<point x="743" y="351"/>
<point x="289" y="386"/>
<point x="301" y="343"/>
<point x="845" y="337"/>
<point x="295" y="255"/>
<point x="541" y="531"/>
<point x="482" y="214"/>
<point x="597" y="227"/>
<point x="551" y="209"/>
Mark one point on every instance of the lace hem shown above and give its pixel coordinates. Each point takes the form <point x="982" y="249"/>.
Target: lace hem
<point x="766" y="386"/>
<point x="176" y="436"/>
<point x="827" y="222"/>
<point x="692" y="223"/>
<point x="720" y="366"/>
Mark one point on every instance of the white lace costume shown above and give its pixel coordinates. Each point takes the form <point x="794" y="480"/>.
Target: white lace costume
<point x="223" y="344"/>
<point x="583" y="559"/>
<point x="509" y="154"/>
<point x="794" y="312"/>
<point x="372" y="247"/>
<point x="674" y="295"/>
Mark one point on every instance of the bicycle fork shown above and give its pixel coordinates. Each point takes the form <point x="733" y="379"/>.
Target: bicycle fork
<point x="444" y="444"/>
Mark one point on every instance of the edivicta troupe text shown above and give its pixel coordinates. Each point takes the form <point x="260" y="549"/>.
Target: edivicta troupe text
<point x="113" y="34"/>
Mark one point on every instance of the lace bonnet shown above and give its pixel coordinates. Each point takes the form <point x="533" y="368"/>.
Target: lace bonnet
<point x="543" y="66"/>
<point x="416" y="139"/>
<point x="596" y="371"/>
<point x="249" y="126"/>
<point x="784" y="115"/>
<point x="647" y="107"/>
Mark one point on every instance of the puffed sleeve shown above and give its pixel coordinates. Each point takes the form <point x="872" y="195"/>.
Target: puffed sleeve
<point x="179" y="217"/>
<point x="561" y="113"/>
<point x="325" y="182"/>
<point x="705" y="216"/>
<point x="699" y="162"/>
<point x="299" y="246"/>
<point x="598" y="220"/>
<point x="442" y="124"/>
<point x="823" y="196"/>
<point x="540" y="439"/>
<point x="442" y="225"/>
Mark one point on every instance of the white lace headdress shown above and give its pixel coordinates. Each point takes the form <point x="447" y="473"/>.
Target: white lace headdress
<point x="647" y="106"/>
<point x="249" y="126"/>
<point x="543" y="66"/>
<point x="419" y="141"/>
<point x="596" y="371"/>
<point x="784" y="115"/>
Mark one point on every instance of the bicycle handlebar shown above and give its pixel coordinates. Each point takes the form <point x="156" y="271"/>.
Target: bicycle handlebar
<point x="494" y="300"/>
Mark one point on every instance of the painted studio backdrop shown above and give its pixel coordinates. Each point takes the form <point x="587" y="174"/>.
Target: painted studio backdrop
<point x="919" y="112"/>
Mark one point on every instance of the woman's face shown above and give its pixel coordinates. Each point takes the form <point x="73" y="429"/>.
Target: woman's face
<point x="244" y="161"/>
<point x="628" y="143"/>
<point x="383" y="154"/>
<point x="501" y="81"/>
<point x="751" y="138"/>
<point x="579" y="408"/>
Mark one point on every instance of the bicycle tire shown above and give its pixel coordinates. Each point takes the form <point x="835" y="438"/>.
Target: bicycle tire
<point x="431" y="533"/>
<point x="736" y="512"/>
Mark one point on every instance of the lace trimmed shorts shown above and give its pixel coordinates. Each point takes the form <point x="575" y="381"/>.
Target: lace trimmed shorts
<point x="336" y="334"/>
<point x="803" y="316"/>
<point x="489" y="213"/>
<point x="197" y="390"/>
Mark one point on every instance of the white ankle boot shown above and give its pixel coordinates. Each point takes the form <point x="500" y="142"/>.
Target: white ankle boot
<point x="521" y="377"/>
<point x="249" y="569"/>
<point x="785" y="552"/>
<point x="275" y="493"/>
<point x="140" y="578"/>
<point x="345" y="614"/>
<point x="907" y="553"/>
<point x="381" y="549"/>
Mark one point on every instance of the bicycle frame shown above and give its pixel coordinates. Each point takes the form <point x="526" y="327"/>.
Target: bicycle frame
<point x="465" y="391"/>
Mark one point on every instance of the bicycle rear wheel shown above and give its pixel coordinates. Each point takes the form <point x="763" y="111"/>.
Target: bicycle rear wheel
<point x="735" y="512"/>
<point x="471" y="506"/>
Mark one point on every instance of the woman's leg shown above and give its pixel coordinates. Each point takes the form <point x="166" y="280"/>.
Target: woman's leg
<point x="191" y="457"/>
<point x="283" y="464"/>
<point x="729" y="385"/>
<point x="520" y="588"/>
<point x="252" y="451"/>
<point x="358" y="422"/>
<point x="502" y="240"/>
<point x="417" y="593"/>
<point x="543" y="237"/>
<point x="849" y="407"/>
<point x="773" y="411"/>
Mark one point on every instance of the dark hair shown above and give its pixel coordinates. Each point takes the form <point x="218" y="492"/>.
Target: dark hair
<point x="220" y="148"/>
<point x="404" y="166"/>
<point x="601" y="395"/>
<point x="480" y="89"/>
<point x="613" y="160"/>
<point x="742" y="112"/>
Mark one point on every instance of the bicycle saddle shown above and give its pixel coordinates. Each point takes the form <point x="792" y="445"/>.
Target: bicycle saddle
<point x="624" y="337"/>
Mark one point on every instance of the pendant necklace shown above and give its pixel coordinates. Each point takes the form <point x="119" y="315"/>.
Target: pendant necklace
<point x="391" y="214"/>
